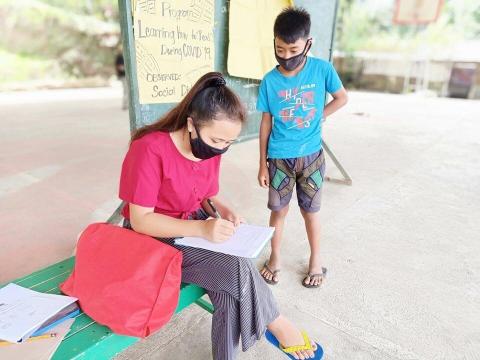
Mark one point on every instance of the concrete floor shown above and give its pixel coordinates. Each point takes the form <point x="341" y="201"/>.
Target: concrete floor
<point x="60" y="159"/>
<point x="401" y="245"/>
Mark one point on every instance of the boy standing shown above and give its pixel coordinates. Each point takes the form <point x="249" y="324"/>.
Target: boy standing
<point x="292" y="99"/>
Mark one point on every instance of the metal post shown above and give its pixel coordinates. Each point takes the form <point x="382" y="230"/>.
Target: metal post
<point x="347" y="180"/>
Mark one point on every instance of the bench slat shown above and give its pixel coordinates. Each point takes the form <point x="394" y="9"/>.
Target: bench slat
<point x="46" y="273"/>
<point x="51" y="286"/>
<point x="88" y="339"/>
<point x="98" y="342"/>
<point x="90" y="343"/>
<point x="82" y="321"/>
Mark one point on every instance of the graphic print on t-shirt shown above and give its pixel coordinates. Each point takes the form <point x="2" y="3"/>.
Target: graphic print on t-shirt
<point x="298" y="106"/>
<point x="295" y="104"/>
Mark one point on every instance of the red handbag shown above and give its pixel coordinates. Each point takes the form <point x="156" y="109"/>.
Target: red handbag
<point x="125" y="280"/>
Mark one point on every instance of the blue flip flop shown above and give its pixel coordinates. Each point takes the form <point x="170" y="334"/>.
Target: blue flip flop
<point x="273" y="340"/>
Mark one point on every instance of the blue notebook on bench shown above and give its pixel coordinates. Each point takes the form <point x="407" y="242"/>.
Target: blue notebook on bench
<point x="67" y="313"/>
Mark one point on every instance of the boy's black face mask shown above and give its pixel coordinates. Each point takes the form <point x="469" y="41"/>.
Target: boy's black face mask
<point x="293" y="62"/>
<point x="201" y="150"/>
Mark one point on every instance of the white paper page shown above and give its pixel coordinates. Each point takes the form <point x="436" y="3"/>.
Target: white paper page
<point x="247" y="241"/>
<point x="23" y="310"/>
<point x="39" y="349"/>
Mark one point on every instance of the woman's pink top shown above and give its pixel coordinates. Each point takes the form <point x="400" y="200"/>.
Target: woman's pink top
<point x="155" y="174"/>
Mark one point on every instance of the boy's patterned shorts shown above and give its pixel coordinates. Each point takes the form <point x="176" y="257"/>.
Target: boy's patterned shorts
<point x="306" y="172"/>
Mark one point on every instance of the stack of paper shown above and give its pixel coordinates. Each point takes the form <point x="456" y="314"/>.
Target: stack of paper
<point x="248" y="241"/>
<point x="24" y="311"/>
<point x="37" y="349"/>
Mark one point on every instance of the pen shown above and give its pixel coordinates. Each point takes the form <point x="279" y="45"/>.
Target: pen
<point x="33" y="338"/>
<point x="214" y="209"/>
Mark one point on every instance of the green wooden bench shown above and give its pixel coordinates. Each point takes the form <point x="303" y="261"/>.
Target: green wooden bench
<point x="88" y="339"/>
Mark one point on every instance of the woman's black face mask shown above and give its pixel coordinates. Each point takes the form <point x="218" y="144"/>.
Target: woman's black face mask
<point x="293" y="62"/>
<point x="201" y="150"/>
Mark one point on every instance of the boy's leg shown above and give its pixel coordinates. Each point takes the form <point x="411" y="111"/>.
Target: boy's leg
<point x="312" y="225"/>
<point x="282" y="182"/>
<point x="277" y="220"/>
<point x="309" y="189"/>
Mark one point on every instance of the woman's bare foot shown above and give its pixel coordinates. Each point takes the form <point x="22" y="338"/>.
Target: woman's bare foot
<point x="289" y="335"/>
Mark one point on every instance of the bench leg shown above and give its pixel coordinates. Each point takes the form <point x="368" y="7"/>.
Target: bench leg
<point x="116" y="217"/>
<point x="205" y="305"/>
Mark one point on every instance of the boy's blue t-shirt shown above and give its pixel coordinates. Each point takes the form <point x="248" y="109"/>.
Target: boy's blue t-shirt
<point x="296" y="105"/>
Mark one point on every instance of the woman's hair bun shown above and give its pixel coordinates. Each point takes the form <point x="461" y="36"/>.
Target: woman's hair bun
<point x="217" y="81"/>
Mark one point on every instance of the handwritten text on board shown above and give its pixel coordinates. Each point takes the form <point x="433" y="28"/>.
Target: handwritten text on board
<point x="174" y="43"/>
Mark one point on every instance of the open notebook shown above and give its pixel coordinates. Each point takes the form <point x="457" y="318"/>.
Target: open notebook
<point x="24" y="311"/>
<point x="248" y="241"/>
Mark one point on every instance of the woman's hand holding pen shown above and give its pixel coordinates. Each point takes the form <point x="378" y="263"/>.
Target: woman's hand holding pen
<point x="227" y="213"/>
<point x="218" y="230"/>
<point x="234" y="218"/>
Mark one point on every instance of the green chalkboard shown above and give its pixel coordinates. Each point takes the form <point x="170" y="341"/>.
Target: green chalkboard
<point x="323" y="13"/>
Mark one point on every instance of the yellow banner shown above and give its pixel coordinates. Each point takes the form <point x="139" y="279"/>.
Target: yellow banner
<point x="250" y="48"/>
<point x="174" y="44"/>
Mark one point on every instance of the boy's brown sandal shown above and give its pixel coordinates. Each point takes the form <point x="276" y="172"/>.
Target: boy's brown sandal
<point x="271" y="272"/>
<point x="312" y="277"/>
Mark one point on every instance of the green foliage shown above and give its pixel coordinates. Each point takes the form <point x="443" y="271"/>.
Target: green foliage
<point x="85" y="7"/>
<point x="18" y="67"/>
<point x="368" y="25"/>
<point x="57" y="38"/>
